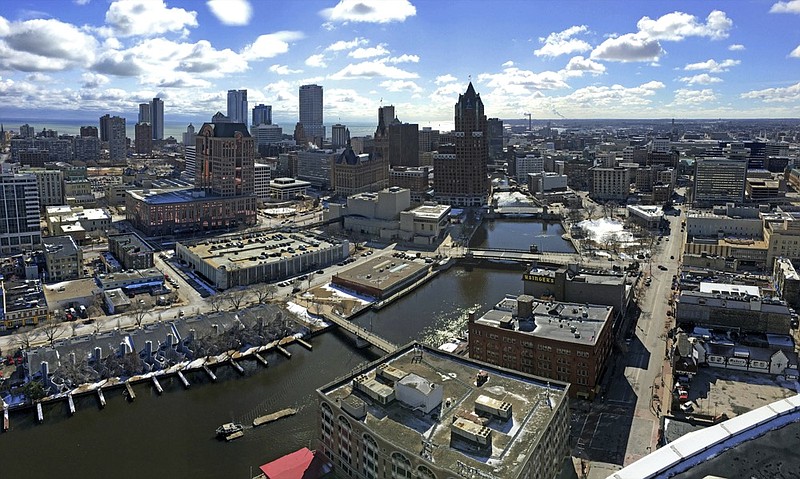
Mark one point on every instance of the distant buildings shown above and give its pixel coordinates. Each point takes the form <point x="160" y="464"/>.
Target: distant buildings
<point x="340" y="136"/>
<point x="63" y="257"/>
<point x="310" y="108"/>
<point x="144" y="139"/>
<point x="719" y="180"/>
<point x="352" y="173"/>
<point x="262" y="115"/>
<point x="144" y="113"/>
<point x="157" y="118"/>
<point x="237" y="106"/>
<point x="19" y="203"/>
<point x="189" y="136"/>
<point x="461" y="176"/>
<point x="117" y="141"/>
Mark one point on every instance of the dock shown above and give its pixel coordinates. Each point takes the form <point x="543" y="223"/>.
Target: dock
<point x="129" y="391"/>
<point x="71" y="404"/>
<point x="157" y="385"/>
<point x="210" y="373"/>
<point x="101" y="397"/>
<point x="6" y="420"/>
<point x="261" y="420"/>
<point x="305" y="344"/>
<point x="183" y="380"/>
<point x="39" y="412"/>
<point x="233" y="436"/>
<point x="283" y="351"/>
<point x="261" y="359"/>
<point x="238" y="367"/>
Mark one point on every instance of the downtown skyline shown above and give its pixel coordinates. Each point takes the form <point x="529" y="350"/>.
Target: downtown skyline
<point x="578" y="60"/>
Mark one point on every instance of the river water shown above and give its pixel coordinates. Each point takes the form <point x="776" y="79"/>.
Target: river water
<point x="521" y="234"/>
<point x="172" y="435"/>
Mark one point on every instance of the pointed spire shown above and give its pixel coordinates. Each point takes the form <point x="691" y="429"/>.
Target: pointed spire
<point x="470" y="90"/>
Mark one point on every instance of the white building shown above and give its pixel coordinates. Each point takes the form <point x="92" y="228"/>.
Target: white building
<point x="262" y="177"/>
<point x="283" y="189"/>
<point x="610" y="183"/>
<point x="545" y="182"/>
<point x="19" y="200"/>
<point x="528" y="164"/>
<point x="49" y="183"/>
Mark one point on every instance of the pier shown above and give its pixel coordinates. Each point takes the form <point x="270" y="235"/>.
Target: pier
<point x="210" y="373"/>
<point x="261" y="359"/>
<point x="284" y="351"/>
<point x="71" y="404"/>
<point x="129" y="391"/>
<point x="39" y="413"/>
<point x="305" y="344"/>
<point x="183" y="379"/>
<point x="238" y="367"/>
<point x="157" y="385"/>
<point x="261" y="420"/>
<point x="101" y="397"/>
<point x="520" y="256"/>
<point x="361" y="334"/>
<point x="6" y="420"/>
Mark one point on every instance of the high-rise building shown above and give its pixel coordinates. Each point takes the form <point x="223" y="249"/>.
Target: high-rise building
<point x="86" y="148"/>
<point x="403" y="144"/>
<point x="267" y="134"/>
<point x="262" y="114"/>
<point x="27" y="131"/>
<point x="381" y="142"/>
<point x="352" y="173"/>
<point x="237" y="106"/>
<point x="190" y="163"/>
<point x="719" y="180"/>
<point x="144" y="113"/>
<point x="105" y="127"/>
<point x="19" y="208"/>
<point x="340" y="135"/>
<point x="224" y="161"/>
<point x="157" y="118"/>
<point x="117" y="141"/>
<point x="311" y="111"/>
<point x="143" y="139"/>
<point x="89" y="131"/>
<point x="189" y="136"/>
<point x="495" y="140"/>
<point x="428" y="139"/>
<point x="461" y="178"/>
<point x="50" y="184"/>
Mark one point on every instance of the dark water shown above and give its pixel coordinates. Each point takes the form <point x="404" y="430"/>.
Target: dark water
<point x="172" y="435"/>
<point x="520" y="234"/>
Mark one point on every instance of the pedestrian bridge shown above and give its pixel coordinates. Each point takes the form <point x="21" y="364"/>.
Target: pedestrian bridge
<point x="519" y="255"/>
<point x="361" y="333"/>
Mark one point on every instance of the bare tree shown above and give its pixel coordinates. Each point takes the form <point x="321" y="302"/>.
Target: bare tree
<point x="23" y="338"/>
<point x="52" y="330"/>
<point x="262" y="293"/>
<point x="216" y="301"/>
<point x="236" y="297"/>
<point x="96" y="325"/>
<point x="591" y="209"/>
<point x="139" y="313"/>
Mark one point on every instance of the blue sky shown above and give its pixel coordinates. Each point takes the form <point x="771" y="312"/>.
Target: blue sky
<point x="571" y="59"/>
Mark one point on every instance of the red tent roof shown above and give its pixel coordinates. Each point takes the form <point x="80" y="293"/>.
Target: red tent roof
<point x="300" y="464"/>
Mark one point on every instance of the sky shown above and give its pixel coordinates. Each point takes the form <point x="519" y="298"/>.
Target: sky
<point x="74" y="59"/>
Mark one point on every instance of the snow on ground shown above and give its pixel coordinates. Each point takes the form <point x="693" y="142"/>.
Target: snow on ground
<point x="280" y="211"/>
<point x="599" y="230"/>
<point x="302" y="314"/>
<point x="512" y="198"/>
<point x="55" y="286"/>
<point x="339" y="293"/>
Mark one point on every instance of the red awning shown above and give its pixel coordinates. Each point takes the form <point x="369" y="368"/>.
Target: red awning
<point x="300" y="464"/>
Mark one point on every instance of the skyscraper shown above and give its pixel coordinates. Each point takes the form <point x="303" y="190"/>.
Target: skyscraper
<point x="105" y="127"/>
<point x="262" y="115"/>
<point x="220" y="169"/>
<point x="311" y="111"/>
<point x="495" y="140"/>
<point x="460" y="178"/>
<point x="143" y="139"/>
<point x="144" y="113"/>
<point x="157" y="118"/>
<point x="189" y="136"/>
<point x="117" y="141"/>
<point x="19" y="205"/>
<point x="340" y="135"/>
<point x="403" y="144"/>
<point x="237" y="106"/>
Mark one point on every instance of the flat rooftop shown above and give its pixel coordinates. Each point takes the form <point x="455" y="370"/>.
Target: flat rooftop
<point x="258" y="248"/>
<point x="169" y="196"/>
<point x="431" y="211"/>
<point x="383" y="272"/>
<point x="533" y="403"/>
<point x="567" y="322"/>
<point x="60" y="246"/>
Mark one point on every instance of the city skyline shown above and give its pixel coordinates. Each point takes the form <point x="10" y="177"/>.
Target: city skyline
<point x="582" y="60"/>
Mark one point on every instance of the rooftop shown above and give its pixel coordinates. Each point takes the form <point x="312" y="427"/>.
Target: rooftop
<point x="530" y="402"/>
<point x="431" y="211"/>
<point x="383" y="272"/>
<point x="60" y="246"/>
<point x="21" y="295"/>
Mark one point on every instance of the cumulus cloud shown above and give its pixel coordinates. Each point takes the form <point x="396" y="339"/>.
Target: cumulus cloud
<point x="508" y="64"/>
<point x="39" y="77"/>
<point x="773" y="95"/>
<point x="693" y="97"/>
<point x="795" y="53"/>
<point x="562" y="43"/>
<point x="712" y="65"/>
<point x="124" y="64"/>
<point x="371" y="11"/>
<point x="676" y="26"/>
<point x="578" y="66"/>
<point x="372" y="69"/>
<point x="44" y="45"/>
<point x="317" y="60"/>
<point x="792" y="6"/>
<point x="283" y="70"/>
<point x="401" y="85"/>
<point x="404" y="58"/>
<point x="630" y="47"/>
<point x="347" y="45"/>
<point x="377" y="51"/>
<point x="231" y="12"/>
<point x="701" y="79"/>
<point x="614" y="95"/>
<point x="346" y="102"/>
<point x="513" y="80"/>
<point x="93" y="80"/>
<point x="270" y="45"/>
<point x="442" y="79"/>
<point x="148" y="18"/>
<point x="736" y="47"/>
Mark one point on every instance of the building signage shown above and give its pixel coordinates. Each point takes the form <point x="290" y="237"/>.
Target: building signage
<point x="537" y="278"/>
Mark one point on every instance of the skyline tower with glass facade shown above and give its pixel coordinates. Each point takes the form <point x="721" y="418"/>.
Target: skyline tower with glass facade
<point x="262" y="115"/>
<point x="144" y="113"/>
<point x="310" y="109"/>
<point x="157" y="118"/>
<point x="237" y="106"/>
<point x="19" y="208"/>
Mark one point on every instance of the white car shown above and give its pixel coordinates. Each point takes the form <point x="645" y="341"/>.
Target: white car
<point x="688" y="406"/>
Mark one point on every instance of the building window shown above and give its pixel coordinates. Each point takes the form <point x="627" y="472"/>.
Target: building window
<point x="370" y="465"/>
<point x="423" y="472"/>
<point x="401" y="466"/>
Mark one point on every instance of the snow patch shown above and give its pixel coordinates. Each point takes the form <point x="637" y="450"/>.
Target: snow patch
<point x="302" y="314"/>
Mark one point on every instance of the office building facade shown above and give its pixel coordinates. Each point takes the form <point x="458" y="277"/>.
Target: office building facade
<point x="340" y="135"/>
<point x="144" y="113"/>
<point x="719" y="180"/>
<point x="143" y="141"/>
<point x="19" y="210"/>
<point x="117" y="141"/>
<point x="262" y="115"/>
<point x="310" y="108"/>
<point x="157" y="118"/>
<point x="237" y="106"/>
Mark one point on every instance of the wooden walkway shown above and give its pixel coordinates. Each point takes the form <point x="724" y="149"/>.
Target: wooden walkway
<point x="361" y="333"/>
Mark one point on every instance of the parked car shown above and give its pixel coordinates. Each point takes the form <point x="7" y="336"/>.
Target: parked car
<point x="688" y="406"/>
<point x="683" y="395"/>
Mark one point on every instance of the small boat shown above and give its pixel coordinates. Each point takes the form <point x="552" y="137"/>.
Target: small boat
<point x="229" y="428"/>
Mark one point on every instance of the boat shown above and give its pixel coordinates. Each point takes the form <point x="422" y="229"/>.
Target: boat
<point x="229" y="428"/>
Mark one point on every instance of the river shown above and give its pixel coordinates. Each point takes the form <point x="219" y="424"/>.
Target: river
<point x="172" y="435"/>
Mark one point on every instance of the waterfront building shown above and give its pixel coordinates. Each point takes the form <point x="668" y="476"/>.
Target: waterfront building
<point x="157" y="118"/>
<point x="229" y="262"/>
<point x="461" y="177"/>
<point x="63" y="257"/>
<point x="117" y="141"/>
<point x="310" y="108"/>
<point x="285" y="189"/>
<point x="49" y="183"/>
<point x="352" y="173"/>
<point x="22" y="303"/>
<point x="262" y="115"/>
<point x="570" y="284"/>
<point x="340" y="136"/>
<point x="718" y="180"/>
<point x="373" y="422"/>
<point x="546" y="183"/>
<point x="144" y="139"/>
<point x="237" y="106"/>
<point x="144" y="113"/>
<point x="568" y="342"/>
<point x="131" y="250"/>
<point x="373" y="279"/>
<point x="527" y="163"/>
<point x="19" y="207"/>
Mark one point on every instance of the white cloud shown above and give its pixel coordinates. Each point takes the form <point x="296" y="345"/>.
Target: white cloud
<point x="579" y="65"/>
<point x="39" y="77"/>
<point x="676" y="26"/>
<point x="508" y="64"/>
<point x="347" y="103"/>
<point x="736" y="47"/>
<point x="371" y="69"/>
<point x="795" y="53"/>
<point x="347" y="45"/>
<point x="82" y="2"/>
<point x="44" y="45"/>
<point x="562" y="43"/>
<point x="283" y="70"/>
<point x="377" y="51"/>
<point x="231" y="12"/>
<point x="270" y="45"/>
<point x="148" y="18"/>
<point x="513" y="80"/>
<point x="701" y="79"/>
<point x="693" y="97"/>
<point x="713" y="66"/>
<point x="404" y="58"/>
<point x="317" y="60"/>
<point x="448" y="78"/>
<point x="614" y="96"/>
<point x="772" y="95"/>
<point x="371" y="11"/>
<point x="792" y="6"/>
<point x="93" y="80"/>
<point x="401" y="85"/>
<point x="630" y="47"/>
